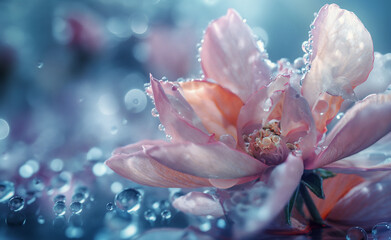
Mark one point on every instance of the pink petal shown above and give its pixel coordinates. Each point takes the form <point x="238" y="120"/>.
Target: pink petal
<point x="364" y="124"/>
<point x="374" y="158"/>
<point x="217" y="107"/>
<point x="176" y="125"/>
<point x="282" y="182"/>
<point x="214" y="160"/>
<point x="342" y="54"/>
<point x="231" y="57"/>
<point x="200" y="204"/>
<point x="131" y="162"/>
<point x="366" y="204"/>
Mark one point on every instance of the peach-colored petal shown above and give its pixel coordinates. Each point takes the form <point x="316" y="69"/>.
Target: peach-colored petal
<point x="231" y="57"/>
<point x="176" y="125"/>
<point x="364" y="124"/>
<point x="334" y="189"/>
<point x="366" y="204"/>
<point x="141" y="169"/>
<point x="200" y="204"/>
<point x="217" y="107"/>
<point x="374" y="158"/>
<point x="281" y="183"/>
<point x="341" y="59"/>
<point x="214" y="160"/>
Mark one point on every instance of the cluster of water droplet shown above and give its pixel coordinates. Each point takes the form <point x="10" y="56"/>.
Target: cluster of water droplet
<point x="379" y="232"/>
<point x="306" y="46"/>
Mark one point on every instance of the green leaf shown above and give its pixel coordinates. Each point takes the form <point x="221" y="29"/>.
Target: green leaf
<point x="289" y="206"/>
<point x="314" y="183"/>
<point x="323" y="173"/>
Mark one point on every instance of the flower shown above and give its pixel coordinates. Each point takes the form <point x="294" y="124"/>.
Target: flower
<point x="248" y="120"/>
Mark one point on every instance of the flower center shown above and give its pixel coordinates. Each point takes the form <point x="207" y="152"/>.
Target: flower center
<point x="267" y="145"/>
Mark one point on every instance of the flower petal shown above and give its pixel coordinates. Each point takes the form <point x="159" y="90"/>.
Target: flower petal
<point x="364" y="124"/>
<point x="231" y="57"/>
<point x="366" y="204"/>
<point x="214" y="160"/>
<point x="131" y="162"/>
<point x="341" y="59"/>
<point x="200" y="204"/>
<point x="374" y="158"/>
<point x="178" y="126"/>
<point x="282" y="182"/>
<point x="217" y="107"/>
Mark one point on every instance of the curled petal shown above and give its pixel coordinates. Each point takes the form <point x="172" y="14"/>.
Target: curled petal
<point x="231" y="57"/>
<point x="214" y="160"/>
<point x="217" y="107"/>
<point x="200" y="204"/>
<point x="282" y="182"/>
<point x="366" y="204"/>
<point x="131" y="162"/>
<point x="364" y="124"/>
<point x="374" y="158"/>
<point x="180" y="128"/>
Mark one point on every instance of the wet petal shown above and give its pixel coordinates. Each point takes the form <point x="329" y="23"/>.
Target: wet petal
<point x="231" y="57"/>
<point x="140" y="168"/>
<point x="366" y="204"/>
<point x="364" y="124"/>
<point x="214" y="160"/>
<point x="376" y="157"/>
<point x="200" y="204"/>
<point x="342" y="58"/>
<point x="180" y="128"/>
<point x="282" y="182"/>
<point x="217" y="107"/>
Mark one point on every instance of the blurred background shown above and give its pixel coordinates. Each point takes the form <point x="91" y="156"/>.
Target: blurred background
<point x="72" y="77"/>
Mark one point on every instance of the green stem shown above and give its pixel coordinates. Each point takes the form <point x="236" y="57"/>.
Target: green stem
<point x="310" y="205"/>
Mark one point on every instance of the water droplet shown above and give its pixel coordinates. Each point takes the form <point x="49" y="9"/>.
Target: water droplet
<point x="312" y="26"/>
<point x="82" y="189"/>
<point x="339" y="115"/>
<point x="59" y="208"/>
<point x="114" y="130"/>
<point x="61" y="182"/>
<point x="306" y="58"/>
<point x="15" y="219"/>
<point x="304" y="46"/>
<point x="79" y="197"/>
<point x="40" y="219"/>
<point x="150" y="215"/>
<point x="135" y="100"/>
<point x="166" y="215"/>
<point x="16" y="203"/>
<point x="161" y="127"/>
<point x="4" y="129"/>
<point x="154" y="112"/>
<point x="128" y="200"/>
<point x="7" y="190"/>
<point x="267" y="105"/>
<point x="40" y="65"/>
<point x="356" y="233"/>
<point x="298" y="63"/>
<point x="76" y="207"/>
<point x="58" y="198"/>
<point x="109" y="206"/>
<point x="168" y="137"/>
<point x="381" y="231"/>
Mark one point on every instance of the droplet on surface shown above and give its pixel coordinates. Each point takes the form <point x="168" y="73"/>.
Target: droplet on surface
<point x="129" y="200"/>
<point x="356" y="233"/>
<point x="150" y="215"/>
<point x="161" y="127"/>
<point x="59" y="197"/>
<point x="4" y="129"/>
<point x="16" y="203"/>
<point x="110" y="206"/>
<point x="166" y="215"/>
<point x="381" y="231"/>
<point x="79" y="197"/>
<point x="59" y="208"/>
<point x="135" y="100"/>
<point x="7" y="190"/>
<point x="154" y="112"/>
<point x="339" y="115"/>
<point x="76" y="207"/>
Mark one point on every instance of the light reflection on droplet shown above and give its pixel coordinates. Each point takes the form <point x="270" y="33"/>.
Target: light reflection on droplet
<point x="59" y="208"/>
<point x="381" y="231"/>
<point x="7" y="190"/>
<point x="76" y="207"/>
<point x="356" y="233"/>
<point x="129" y="200"/>
<point x="16" y="203"/>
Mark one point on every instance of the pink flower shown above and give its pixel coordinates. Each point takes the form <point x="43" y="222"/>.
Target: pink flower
<point x="244" y="121"/>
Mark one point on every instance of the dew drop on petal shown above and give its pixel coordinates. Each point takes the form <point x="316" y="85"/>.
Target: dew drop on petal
<point x="59" y="208"/>
<point x="381" y="231"/>
<point x="7" y="190"/>
<point x="161" y="127"/>
<point x="16" y="203"/>
<point x="129" y="200"/>
<point x="154" y="112"/>
<point x="356" y="233"/>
